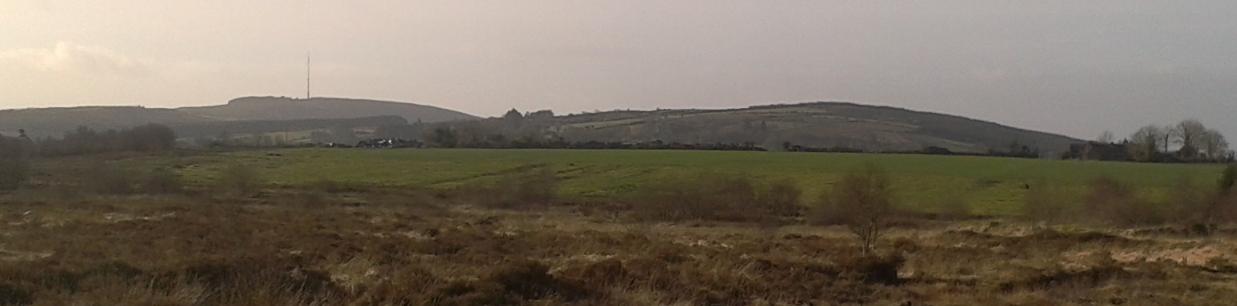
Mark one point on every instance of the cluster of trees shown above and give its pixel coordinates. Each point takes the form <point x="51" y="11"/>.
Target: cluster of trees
<point x="1015" y="150"/>
<point x="84" y="140"/>
<point x="1193" y="141"/>
<point x="14" y="164"/>
<point x="15" y="152"/>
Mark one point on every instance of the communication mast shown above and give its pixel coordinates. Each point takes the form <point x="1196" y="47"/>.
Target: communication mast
<point x="307" y="74"/>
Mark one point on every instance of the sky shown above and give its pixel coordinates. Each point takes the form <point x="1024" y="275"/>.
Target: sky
<point x="1071" y="67"/>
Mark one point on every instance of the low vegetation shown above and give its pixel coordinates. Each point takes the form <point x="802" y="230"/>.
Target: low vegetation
<point x="84" y="140"/>
<point x="715" y="197"/>
<point x="527" y="187"/>
<point x="14" y="163"/>
<point x="862" y="201"/>
<point x="238" y="179"/>
<point x="238" y="233"/>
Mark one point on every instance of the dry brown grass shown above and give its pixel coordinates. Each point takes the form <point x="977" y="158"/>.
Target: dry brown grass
<point x="715" y="197"/>
<point x="1111" y="202"/>
<point x="377" y="246"/>
<point x="396" y="248"/>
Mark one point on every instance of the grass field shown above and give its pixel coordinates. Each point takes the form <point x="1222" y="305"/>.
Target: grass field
<point x="431" y="232"/>
<point x="989" y="186"/>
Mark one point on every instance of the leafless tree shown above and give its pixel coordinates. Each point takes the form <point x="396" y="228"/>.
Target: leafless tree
<point x="1188" y="134"/>
<point x="863" y="202"/>
<point x="1106" y="137"/>
<point x="1146" y="142"/>
<point x="1213" y="144"/>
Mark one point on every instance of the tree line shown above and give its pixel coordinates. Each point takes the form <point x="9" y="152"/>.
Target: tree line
<point x="84" y="140"/>
<point x="16" y="152"/>
<point x="1186" y="141"/>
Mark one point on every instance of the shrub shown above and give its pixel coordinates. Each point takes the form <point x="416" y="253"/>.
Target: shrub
<point x="162" y="181"/>
<point x="1114" y="203"/>
<point x="1225" y="208"/>
<point x="716" y="197"/>
<point x="532" y="186"/>
<point x="1044" y="202"/>
<point x="238" y="179"/>
<point x="105" y="178"/>
<point x="14" y="165"/>
<point x="1187" y="203"/>
<point x="331" y="186"/>
<point x="10" y="295"/>
<point x="531" y="280"/>
<point x="1228" y="178"/>
<point x="780" y="199"/>
<point x="880" y="269"/>
<point x="862" y="201"/>
<point x="13" y="172"/>
<point x="954" y="208"/>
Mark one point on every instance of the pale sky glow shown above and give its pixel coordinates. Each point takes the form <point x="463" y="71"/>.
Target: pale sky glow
<point x="1072" y="67"/>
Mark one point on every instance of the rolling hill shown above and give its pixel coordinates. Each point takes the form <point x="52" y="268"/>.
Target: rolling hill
<point x="52" y="122"/>
<point x="283" y="108"/>
<point x="817" y="124"/>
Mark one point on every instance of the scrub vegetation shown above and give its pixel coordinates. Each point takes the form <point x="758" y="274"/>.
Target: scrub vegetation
<point x="545" y="227"/>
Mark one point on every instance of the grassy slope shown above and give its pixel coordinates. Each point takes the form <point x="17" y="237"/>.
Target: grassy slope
<point x="988" y="185"/>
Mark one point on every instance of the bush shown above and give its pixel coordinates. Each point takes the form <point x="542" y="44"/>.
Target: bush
<point x="11" y="295"/>
<point x="780" y="199"/>
<point x="1225" y="209"/>
<point x="331" y="186"/>
<point x="716" y="197"/>
<point x="862" y="201"/>
<point x="14" y="165"/>
<point x="162" y="181"/>
<point x="1228" y="178"/>
<point x="954" y="208"/>
<point x="878" y="269"/>
<point x="13" y="172"/>
<point x="694" y="197"/>
<point x="1187" y="203"/>
<point x="1114" y="203"/>
<point x="1044" y="202"/>
<point x="531" y="186"/>
<point x="104" y="178"/>
<point x="239" y="179"/>
<point x="1224" y="205"/>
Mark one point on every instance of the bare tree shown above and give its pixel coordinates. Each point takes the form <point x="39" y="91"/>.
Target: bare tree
<point x="1166" y="137"/>
<point x="863" y="202"/>
<point x="1106" y="137"/>
<point x="1213" y="144"/>
<point x="1188" y="134"/>
<point x="1146" y="142"/>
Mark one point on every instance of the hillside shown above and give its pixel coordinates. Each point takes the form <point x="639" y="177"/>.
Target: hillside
<point x="52" y="122"/>
<point x="282" y="108"/>
<point x="820" y="124"/>
<point x="216" y="128"/>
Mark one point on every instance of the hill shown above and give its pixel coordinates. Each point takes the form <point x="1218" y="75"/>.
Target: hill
<point x="216" y="128"/>
<point x="52" y="122"/>
<point x="283" y="108"/>
<point x="818" y="124"/>
<point x="267" y="112"/>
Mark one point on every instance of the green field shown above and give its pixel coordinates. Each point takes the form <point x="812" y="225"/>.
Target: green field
<point x="993" y="186"/>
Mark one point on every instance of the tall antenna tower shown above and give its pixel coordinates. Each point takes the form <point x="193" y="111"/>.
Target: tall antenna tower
<point x="307" y="74"/>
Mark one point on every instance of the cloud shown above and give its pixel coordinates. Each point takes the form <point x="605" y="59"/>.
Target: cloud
<point x="71" y="58"/>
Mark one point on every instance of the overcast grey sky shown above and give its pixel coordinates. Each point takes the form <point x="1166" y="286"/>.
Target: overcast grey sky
<point x="1072" y="67"/>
